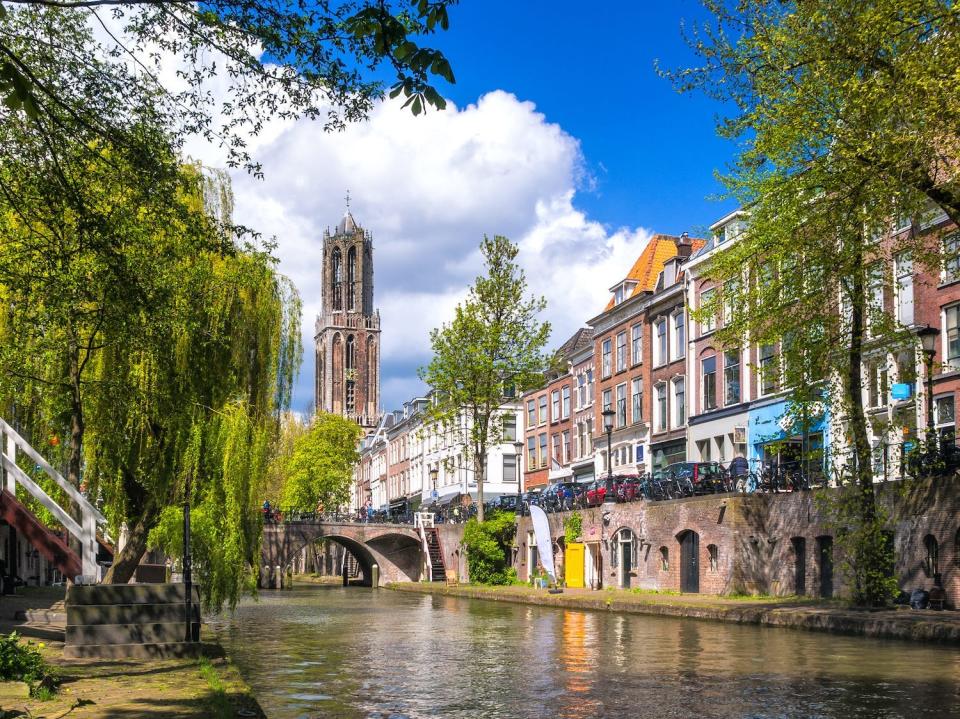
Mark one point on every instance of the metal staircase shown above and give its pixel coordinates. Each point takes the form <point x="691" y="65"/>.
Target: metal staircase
<point x="83" y="569"/>
<point x="432" y="550"/>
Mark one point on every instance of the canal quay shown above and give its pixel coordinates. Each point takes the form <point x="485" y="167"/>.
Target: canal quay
<point x="328" y="651"/>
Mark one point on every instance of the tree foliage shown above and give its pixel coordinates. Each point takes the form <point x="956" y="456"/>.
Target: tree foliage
<point x="276" y="58"/>
<point x="488" y="548"/>
<point x="490" y="352"/>
<point x="319" y="469"/>
<point x="847" y="115"/>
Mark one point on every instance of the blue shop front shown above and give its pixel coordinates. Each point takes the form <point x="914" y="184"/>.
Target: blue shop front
<point x="776" y="435"/>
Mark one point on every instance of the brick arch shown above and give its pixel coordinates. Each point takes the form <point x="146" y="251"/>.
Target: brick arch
<point x="395" y="550"/>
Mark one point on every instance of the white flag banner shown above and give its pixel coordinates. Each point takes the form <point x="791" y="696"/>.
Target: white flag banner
<point x="541" y="530"/>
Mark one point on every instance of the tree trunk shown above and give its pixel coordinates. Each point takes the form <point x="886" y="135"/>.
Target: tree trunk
<point x="125" y="563"/>
<point x="75" y="460"/>
<point x="479" y="471"/>
<point x="854" y="391"/>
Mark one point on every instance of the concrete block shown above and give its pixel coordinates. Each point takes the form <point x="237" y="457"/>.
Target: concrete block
<point x="94" y="634"/>
<point x="128" y="613"/>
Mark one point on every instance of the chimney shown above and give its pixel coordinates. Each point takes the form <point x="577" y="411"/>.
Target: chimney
<point x="684" y="246"/>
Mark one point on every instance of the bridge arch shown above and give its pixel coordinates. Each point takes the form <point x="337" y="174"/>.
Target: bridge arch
<point x="396" y="550"/>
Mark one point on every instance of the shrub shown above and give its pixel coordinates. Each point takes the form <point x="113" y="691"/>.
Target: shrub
<point x="572" y="527"/>
<point x="22" y="663"/>
<point x="488" y="548"/>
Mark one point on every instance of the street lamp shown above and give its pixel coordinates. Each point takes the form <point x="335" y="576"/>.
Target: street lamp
<point x="433" y="483"/>
<point x="928" y="340"/>
<point x="608" y="415"/>
<point x="518" y="446"/>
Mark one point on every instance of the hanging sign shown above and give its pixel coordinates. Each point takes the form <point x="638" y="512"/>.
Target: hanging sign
<point x="901" y="390"/>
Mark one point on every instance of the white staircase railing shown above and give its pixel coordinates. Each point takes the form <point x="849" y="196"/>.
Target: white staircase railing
<point x="421" y="522"/>
<point x="85" y="530"/>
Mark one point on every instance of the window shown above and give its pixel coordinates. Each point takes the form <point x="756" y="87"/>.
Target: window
<point x="509" y="427"/>
<point x="636" y="342"/>
<point x="621" y="405"/>
<point x="875" y="293"/>
<point x="731" y="295"/>
<point x="709" y="379"/>
<point x="590" y="386"/>
<point x="607" y="399"/>
<point x="618" y="295"/>
<point x="531" y="453"/>
<point x="710" y="323"/>
<point x="951" y="257"/>
<point x="903" y="266"/>
<point x="555" y="442"/>
<point x="876" y="384"/>
<point x="931" y="560"/>
<point x="661" y="341"/>
<point x="605" y="366"/>
<point x="679" y="336"/>
<point x="566" y="446"/>
<point x="679" y="402"/>
<point x="664" y="559"/>
<point x="565" y="403"/>
<point x="621" y="351"/>
<point x="509" y="468"/>
<point x="637" y="399"/>
<point x="581" y="391"/>
<point x="542" y="458"/>
<point x="953" y="332"/>
<point x="768" y="369"/>
<point x="944" y="418"/>
<point x="543" y="409"/>
<point x="714" y="556"/>
<point x="531" y="412"/>
<point x="555" y="402"/>
<point x="661" y="392"/>
<point x="731" y="378"/>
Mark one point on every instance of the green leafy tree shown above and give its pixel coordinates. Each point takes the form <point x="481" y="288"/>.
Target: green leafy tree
<point x="491" y="351"/>
<point x="488" y="548"/>
<point x="319" y="469"/>
<point x="847" y="116"/>
<point x="280" y="58"/>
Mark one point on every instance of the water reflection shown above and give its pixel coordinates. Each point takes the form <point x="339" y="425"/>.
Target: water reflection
<point x="332" y="652"/>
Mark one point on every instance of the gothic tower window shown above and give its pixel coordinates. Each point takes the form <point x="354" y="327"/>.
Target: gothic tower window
<point x="372" y="366"/>
<point x="337" y="279"/>
<point x="350" y="375"/>
<point x="351" y="278"/>
<point x="337" y="374"/>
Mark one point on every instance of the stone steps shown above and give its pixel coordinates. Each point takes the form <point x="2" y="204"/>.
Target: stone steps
<point x="130" y="621"/>
<point x="140" y="633"/>
<point x="166" y="650"/>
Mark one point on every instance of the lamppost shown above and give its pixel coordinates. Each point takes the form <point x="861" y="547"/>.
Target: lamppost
<point x="518" y="446"/>
<point x="187" y="562"/>
<point x="433" y="483"/>
<point x="608" y="415"/>
<point x="928" y="340"/>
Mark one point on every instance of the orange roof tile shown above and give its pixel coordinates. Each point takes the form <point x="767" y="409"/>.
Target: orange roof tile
<point x="649" y="264"/>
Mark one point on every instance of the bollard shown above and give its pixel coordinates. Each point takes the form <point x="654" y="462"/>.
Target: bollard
<point x="374" y="576"/>
<point x="277" y="578"/>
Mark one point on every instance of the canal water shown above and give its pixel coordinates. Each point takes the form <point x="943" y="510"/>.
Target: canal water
<point x="335" y="652"/>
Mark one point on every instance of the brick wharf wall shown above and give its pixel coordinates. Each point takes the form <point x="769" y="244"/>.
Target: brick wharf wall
<point x="753" y="536"/>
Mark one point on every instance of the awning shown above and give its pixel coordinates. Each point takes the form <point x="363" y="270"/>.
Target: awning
<point x="445" y="500"/>
<point x="398" y="504"/>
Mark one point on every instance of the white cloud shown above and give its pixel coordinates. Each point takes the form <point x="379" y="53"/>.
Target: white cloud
<point x="428" y="189"/>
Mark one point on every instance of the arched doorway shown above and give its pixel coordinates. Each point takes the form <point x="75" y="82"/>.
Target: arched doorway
<point x="623" y="556"/>
<point x="689" y="561"/>
<point x="799" y="565"/>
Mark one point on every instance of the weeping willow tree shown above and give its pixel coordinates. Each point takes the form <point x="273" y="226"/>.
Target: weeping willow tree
<point x="141" y="327"/>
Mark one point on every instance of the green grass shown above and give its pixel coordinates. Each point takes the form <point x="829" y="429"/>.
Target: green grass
<point x="220" y="707"/>
<point x="661" y="592"/>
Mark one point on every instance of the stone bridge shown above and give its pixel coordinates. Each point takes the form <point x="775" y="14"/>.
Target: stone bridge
<point x="395" y="549"/>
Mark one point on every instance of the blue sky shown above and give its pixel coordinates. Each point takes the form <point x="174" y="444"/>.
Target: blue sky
<point x="559" y="134"/>
<point x="590" y="68"/>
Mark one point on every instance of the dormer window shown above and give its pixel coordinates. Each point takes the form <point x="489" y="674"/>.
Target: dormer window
<point x="622" y="291"/>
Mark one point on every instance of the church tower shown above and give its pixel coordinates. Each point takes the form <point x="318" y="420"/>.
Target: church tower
<point x="348" y="328"/>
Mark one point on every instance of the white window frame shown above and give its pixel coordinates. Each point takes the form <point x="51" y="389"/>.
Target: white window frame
<point x="678" y="326"/>
<point x="636" y="343"/>
<point x="679" y="415"/>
